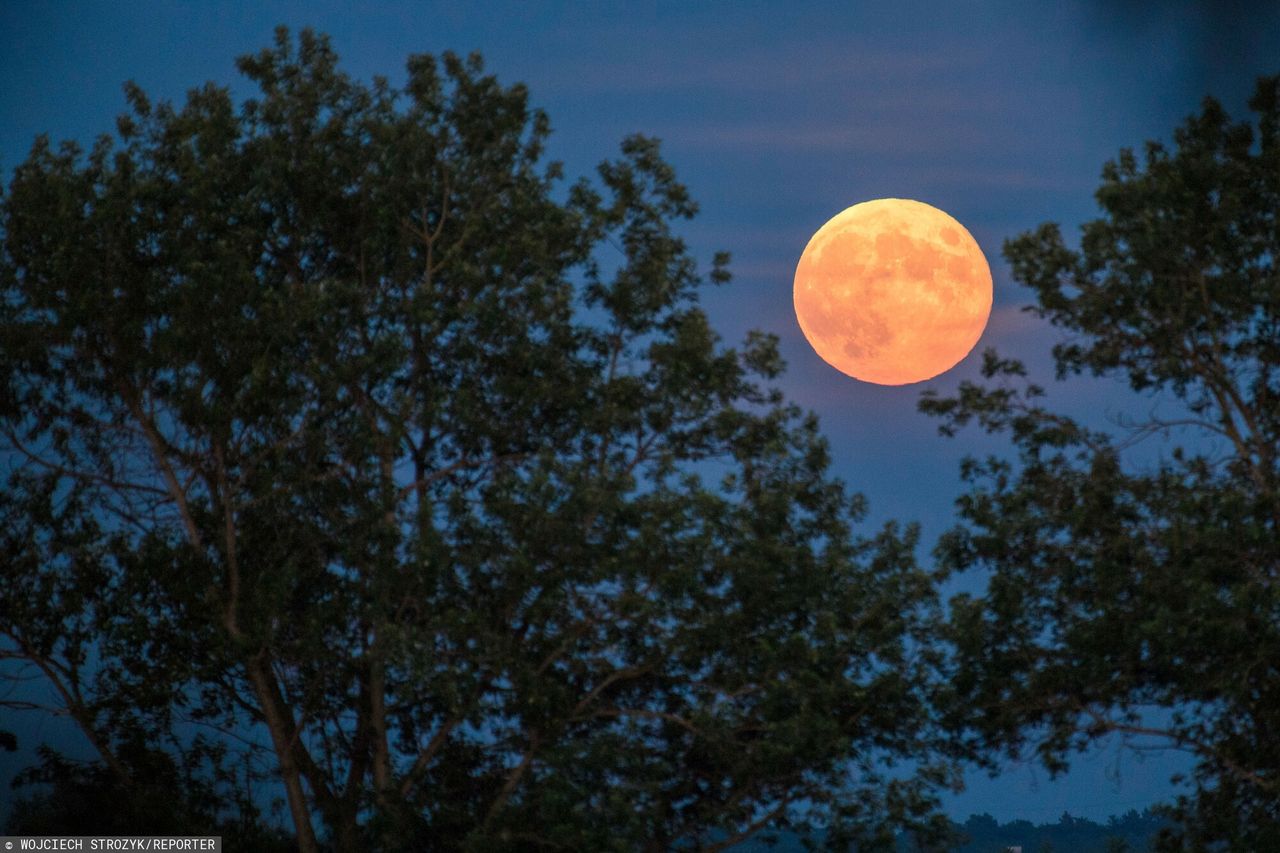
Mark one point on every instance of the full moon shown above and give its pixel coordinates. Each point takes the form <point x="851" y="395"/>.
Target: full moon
<point x="892" y="291"/>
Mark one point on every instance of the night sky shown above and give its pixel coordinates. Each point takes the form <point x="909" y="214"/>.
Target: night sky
<point x="777" y="118"/>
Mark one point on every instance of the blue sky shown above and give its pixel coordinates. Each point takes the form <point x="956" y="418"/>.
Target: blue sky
<point x="777" y="115"/>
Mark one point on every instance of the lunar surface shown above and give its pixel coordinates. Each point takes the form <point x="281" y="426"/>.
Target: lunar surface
<point x="892" y="291"/>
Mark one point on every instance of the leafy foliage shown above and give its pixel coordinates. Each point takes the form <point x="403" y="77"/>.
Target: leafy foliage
<point x="74" y="798"/>
<point x="1133" y="831"/>
<point x="1128" y="595"/>
<point x="337" y="423"/>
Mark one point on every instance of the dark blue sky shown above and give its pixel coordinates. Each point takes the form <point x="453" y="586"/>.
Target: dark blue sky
<point x="777" y="116"/>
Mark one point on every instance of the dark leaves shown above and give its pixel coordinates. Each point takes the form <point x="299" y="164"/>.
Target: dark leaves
<point x="333" y="421"/>
<point x="1130" y="598"/>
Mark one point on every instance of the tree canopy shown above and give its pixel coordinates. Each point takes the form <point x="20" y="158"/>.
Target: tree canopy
<point x="348" y="446"/>
<point x="1136" y="592"/>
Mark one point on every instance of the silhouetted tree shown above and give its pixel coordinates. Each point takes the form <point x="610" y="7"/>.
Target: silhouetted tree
<point x="335" y="423"/>
<point x="1118" y="845"/>
<point x="1142" y="596"/>
<point x="67" y="797"/>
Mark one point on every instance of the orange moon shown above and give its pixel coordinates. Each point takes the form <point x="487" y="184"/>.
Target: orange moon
<point x="892" y="291"/>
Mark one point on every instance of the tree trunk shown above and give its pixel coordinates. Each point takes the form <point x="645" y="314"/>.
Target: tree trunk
<point x="282" y="739"/>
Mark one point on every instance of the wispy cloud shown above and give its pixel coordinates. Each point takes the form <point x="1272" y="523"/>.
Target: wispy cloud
<point x="785" y="66"/>
<point x="824" y="136"/>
